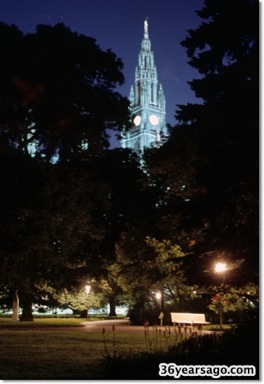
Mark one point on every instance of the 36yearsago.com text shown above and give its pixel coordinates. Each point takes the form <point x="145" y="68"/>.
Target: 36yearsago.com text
<point x="213" y="371"/>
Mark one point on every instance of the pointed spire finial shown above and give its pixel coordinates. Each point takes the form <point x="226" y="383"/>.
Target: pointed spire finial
<point x="146" y="25"/>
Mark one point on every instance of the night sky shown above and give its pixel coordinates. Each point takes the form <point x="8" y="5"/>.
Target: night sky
<point x="118" y="25"/>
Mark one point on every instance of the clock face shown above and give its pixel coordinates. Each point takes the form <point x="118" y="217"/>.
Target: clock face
<point x="154" y="120"/>
<point x="137" y="120"/>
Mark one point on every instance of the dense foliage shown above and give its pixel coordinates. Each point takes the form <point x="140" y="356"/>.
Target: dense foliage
<point x="57" y="103"/>
<point x="57" y="91"/>
<point x="72" y="211"/>
<point x="209" y="168"/>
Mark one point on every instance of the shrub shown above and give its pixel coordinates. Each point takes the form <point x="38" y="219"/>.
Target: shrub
<point x="239" y="346"/>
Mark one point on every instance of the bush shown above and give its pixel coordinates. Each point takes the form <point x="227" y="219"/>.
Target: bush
<point x="239" y="346"/>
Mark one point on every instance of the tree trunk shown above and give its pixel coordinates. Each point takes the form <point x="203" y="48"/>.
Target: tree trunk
<point x="84" y="314"/>
<point x="112" y="303"/>
<point x="28" y="288"/>
<point x="27" y="307"/>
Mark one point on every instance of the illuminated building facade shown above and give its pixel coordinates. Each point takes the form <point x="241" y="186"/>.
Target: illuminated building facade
<point x="147" y="103"/>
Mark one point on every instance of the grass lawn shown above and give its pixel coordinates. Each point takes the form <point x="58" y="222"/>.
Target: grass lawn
<point x="50" y="355"/>
<point x="60" y="349"/>
<point x="7" y="322"/>
<point x="40" y="353"/>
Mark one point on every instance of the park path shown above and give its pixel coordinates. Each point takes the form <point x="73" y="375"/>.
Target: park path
<point x="121" y="325"/>
<point x="125" y="326"/>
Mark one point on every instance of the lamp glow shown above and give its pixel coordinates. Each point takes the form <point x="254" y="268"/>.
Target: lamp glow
<point x="87" y="289"/>
<point x="158" y="295"/>
<point x="220" y="267"/>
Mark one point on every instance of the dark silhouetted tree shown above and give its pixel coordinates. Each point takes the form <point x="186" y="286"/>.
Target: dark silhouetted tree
<point x="58" y="91"/>
<point x="209" y="168"/>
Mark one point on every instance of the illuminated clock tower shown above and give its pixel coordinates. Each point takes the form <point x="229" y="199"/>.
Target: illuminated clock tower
<point x="147" y="103"/>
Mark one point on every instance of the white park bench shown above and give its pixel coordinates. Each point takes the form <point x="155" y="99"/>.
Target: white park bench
<point x="188" y="319"/>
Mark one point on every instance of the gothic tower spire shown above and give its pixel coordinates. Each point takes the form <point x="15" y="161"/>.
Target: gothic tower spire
<point x="147" y="103"/>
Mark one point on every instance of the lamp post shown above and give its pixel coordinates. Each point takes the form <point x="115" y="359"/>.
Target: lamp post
<point x="87" y="291"/>
<point x="159" y="297"/>
<point x="220" y="267"/>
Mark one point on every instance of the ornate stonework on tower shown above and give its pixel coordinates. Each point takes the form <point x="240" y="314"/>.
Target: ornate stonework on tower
<point x="147" y="103"/>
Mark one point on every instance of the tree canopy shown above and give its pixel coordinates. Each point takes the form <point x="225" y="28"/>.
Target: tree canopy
<point x="57" y="91"/>
<point x="57" y="99"/>
<point x="100" y="214"/>
<point x="209" y="167"/>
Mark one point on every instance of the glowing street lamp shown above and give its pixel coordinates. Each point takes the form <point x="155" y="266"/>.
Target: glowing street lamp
<point x="160" y="298"/>
<point x="87" y="291"/>
<point x="158" y="295"/>
<point x="220" y="267"/>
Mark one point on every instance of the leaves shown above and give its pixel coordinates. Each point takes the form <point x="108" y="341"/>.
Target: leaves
<point x="165" y="251"/>
<point x="63" y="84"/>
<point x="233" y="299"/>
<point x="207" y="172"/>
